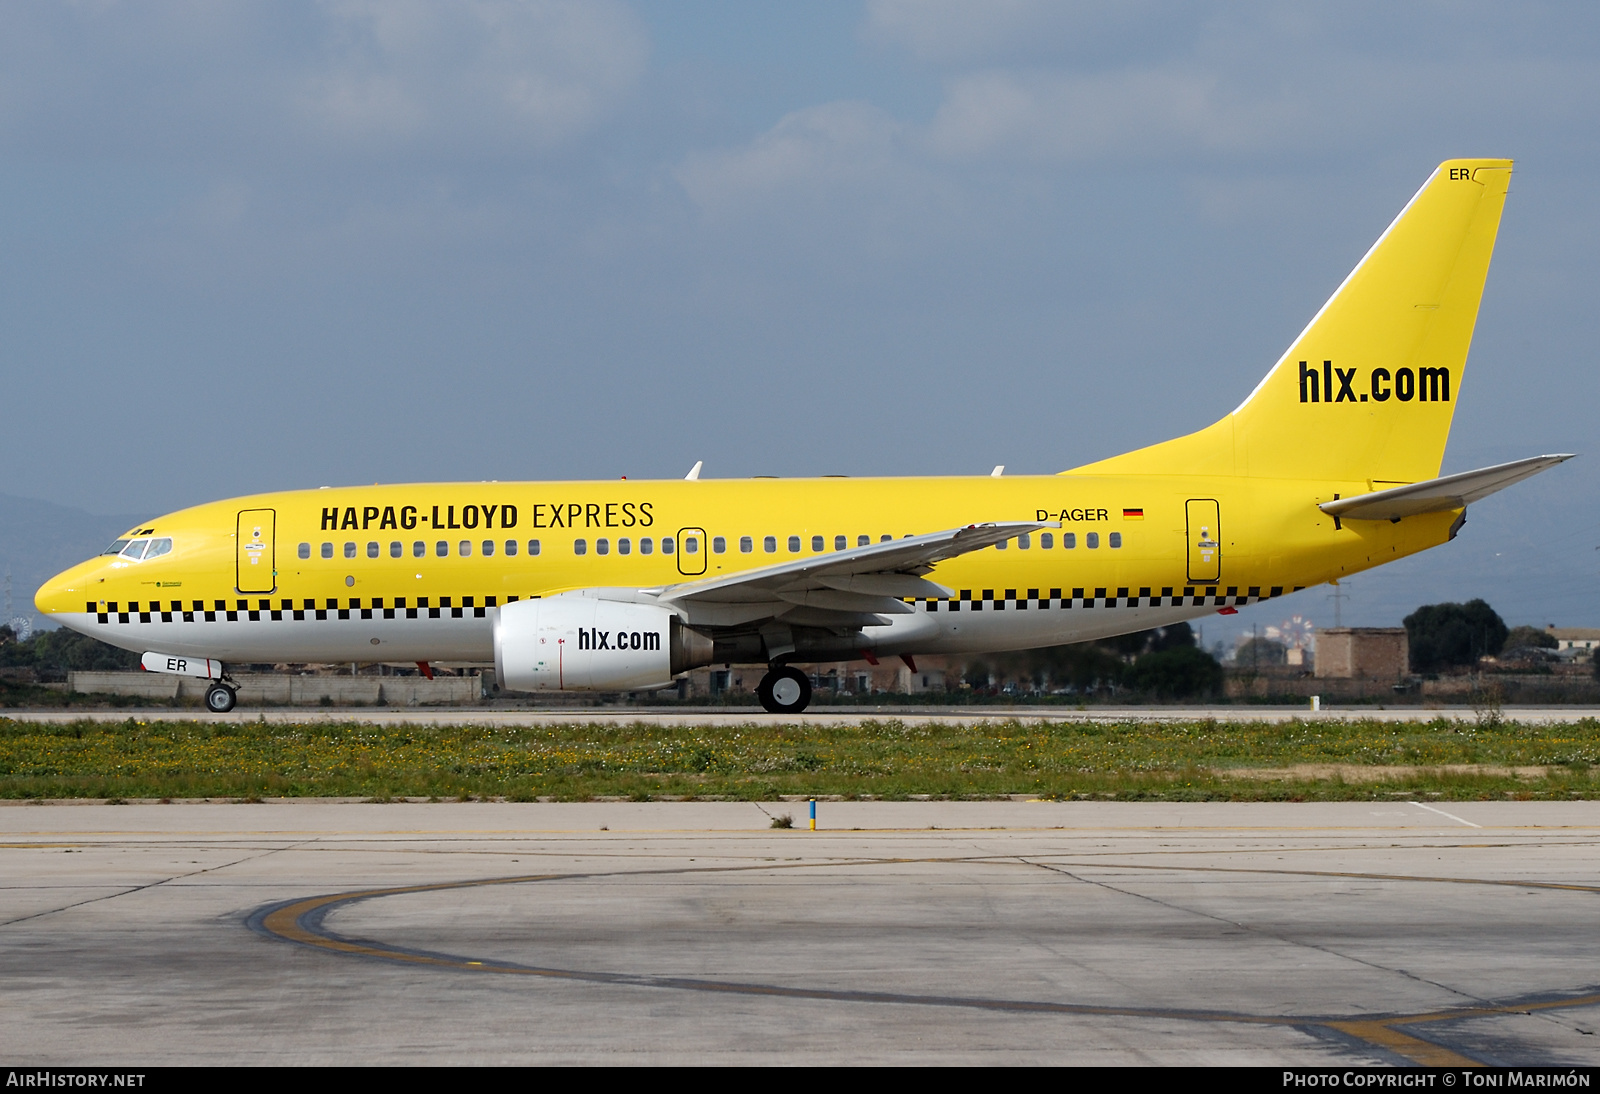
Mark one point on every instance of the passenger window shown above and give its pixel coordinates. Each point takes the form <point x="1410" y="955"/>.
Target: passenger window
<point x="794" y="545"/>
<point x="135" y="550"/>
<point x="1024" y="542"/>
<point x="718" y="544"/>
<point x="769" y="544"/>
<point x="647" y="546"/>
<point x="580" y="546"/>
<point x="372" y="550"/>
<point x="488" y="548"/>
<point x="624" y="546"/>
<point x="862" y="541"/>
<point x="442" y="549"/>
<point x="839" y="543"/>
<point x="305" y="550"/>
<point x="327" y="550"/>
<point x="466" y="548"/>
<point x="1091" y="540"/>
<point x="396" y="549"/>
<point x="1002" y="545"/>
<point x="533" y="546"/>
<point x="602" y="546"/>
<point x="886" y="539"/>
<point x="1116" y="539"/>
<point x="666" y="545"/>
<point x="349" y="550"/>
<point x="691" y="545"/>
<point x="511" y="548"/>
<point x="1069" y="540"/>
<point x="115" y="548"/>
<point x="1046" y="541"/>
<point x="419" y="549"/>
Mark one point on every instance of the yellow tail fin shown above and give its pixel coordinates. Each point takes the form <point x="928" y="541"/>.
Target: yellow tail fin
<point x="1368" y="389"/>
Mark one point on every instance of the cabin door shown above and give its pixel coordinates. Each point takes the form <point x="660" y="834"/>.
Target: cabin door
<point x="1205" y="541"/>
<point x="254" y="546"/>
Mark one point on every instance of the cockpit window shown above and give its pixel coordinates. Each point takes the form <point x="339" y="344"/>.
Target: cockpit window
<point x="135" y="550"/>
<point x="115" y="548"/>
<point x="158" y="547"/>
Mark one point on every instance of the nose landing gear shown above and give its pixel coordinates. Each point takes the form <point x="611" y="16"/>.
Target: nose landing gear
<point x="784" y="690"/>
<point x="220" y="698"/>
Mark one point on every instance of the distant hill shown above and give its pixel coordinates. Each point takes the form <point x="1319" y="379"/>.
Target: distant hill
<point x="39" y="539"/>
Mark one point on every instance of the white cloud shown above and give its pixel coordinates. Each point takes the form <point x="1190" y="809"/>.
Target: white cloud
<point x="836" y="145"/>
<point x="512" y="71"/>
<point x="279" y="79"/>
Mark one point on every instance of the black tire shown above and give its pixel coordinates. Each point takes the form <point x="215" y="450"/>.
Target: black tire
<point x="220" y="698"/>
<point x="784" y="691"/>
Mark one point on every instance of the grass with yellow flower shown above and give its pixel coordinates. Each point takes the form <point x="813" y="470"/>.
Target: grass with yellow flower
<point x="889" y="759"/>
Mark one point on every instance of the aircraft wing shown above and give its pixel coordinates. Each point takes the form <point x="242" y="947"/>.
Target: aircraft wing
<point x="846" y="586"/>
<point x="1439" y="495"/>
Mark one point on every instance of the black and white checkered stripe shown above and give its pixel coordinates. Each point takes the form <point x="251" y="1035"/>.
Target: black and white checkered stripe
<point x="256" y="609"/>
<point x="1188" y="596"/>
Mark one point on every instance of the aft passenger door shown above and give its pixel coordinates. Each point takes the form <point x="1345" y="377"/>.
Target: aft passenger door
<point x="1205" y="541"/>
<point x="254" y="545"/>
<point x="691" y="551"/>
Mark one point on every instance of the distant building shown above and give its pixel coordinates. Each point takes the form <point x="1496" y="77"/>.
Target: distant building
<point x="1575" y="638"/>
<point x="1371" y="653"/>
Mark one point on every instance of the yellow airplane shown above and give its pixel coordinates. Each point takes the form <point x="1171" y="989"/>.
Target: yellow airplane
<point x="1329" y="467"/>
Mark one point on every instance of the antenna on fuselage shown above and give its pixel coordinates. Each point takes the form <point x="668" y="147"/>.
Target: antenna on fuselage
<point x="694" y="472"/>
<point x="999" y="469"/>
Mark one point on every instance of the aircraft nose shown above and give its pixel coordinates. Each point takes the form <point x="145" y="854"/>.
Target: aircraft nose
<point x="62" y="593"/>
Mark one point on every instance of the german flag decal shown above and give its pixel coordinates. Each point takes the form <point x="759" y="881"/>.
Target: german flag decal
<point x="1133" y="514"/>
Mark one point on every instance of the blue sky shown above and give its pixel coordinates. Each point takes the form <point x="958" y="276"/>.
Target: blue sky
<point x="267" y="245"/>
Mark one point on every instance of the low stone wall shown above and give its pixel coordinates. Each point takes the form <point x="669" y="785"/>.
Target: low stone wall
<point x="284" y="690"/>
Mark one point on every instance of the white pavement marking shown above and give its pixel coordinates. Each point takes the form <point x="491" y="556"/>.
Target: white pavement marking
<point x="1442" y="813"/>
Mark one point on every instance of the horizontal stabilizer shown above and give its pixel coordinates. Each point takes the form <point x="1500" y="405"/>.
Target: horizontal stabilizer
<point x="1439" y="495"/>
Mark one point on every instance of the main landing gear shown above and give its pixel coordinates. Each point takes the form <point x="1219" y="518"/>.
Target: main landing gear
<point x="220" y="698"/>
<point x="784" y="690"/>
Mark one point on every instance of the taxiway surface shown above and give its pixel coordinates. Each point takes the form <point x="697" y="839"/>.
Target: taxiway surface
<point x="979" y="932"/>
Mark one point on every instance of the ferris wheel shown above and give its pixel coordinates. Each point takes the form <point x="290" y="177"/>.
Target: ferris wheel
<point x="1296" y="633"/>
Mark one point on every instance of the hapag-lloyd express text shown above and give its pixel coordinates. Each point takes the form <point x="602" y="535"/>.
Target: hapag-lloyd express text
<point x="609" y="514"/>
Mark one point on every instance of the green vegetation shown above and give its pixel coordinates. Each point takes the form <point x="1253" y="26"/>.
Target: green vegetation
<point x="763" y="760"/>
<point x="1441" y="635"/>
<point x="62" y="650"/>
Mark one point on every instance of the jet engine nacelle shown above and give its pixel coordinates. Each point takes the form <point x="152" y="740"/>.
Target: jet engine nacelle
<point x="578" y="643"/>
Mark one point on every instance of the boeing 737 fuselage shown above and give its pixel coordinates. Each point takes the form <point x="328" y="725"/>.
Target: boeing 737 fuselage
<point x="1328" y="468"/>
